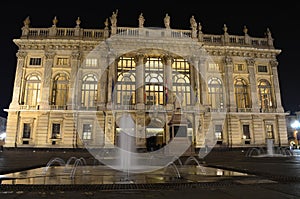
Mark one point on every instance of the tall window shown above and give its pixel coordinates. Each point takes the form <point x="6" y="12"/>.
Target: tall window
<point x="241" y="93"/>
<point x="181" y="81"/>
<point x="215" y="93"/>
<point x="87" y="131"/>
<point x="218" y="132"/>
<point x="32" y="90"/>
<point x="246" y="131"/>
<point x="26" y="130"/>
<point x="265" y="94"/>
<point x="60" y="90"/>
<point x="125" y="81"/>
<point x="89" y="91"/>
<point x="154" y="79"/>
<point x="55" y="131"/>
<point x="270" y="131"/>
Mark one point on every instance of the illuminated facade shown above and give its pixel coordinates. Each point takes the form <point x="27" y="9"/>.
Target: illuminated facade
<point x="72" y="86"/>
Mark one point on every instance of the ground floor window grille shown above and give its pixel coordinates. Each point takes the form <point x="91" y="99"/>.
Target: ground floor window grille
<point x="87" y="132"/>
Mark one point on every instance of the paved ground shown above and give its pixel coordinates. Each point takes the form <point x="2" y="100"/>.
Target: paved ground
<point x="276" y="177"/>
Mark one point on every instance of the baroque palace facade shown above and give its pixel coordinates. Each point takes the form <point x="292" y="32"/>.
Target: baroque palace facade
<point x="72" y="86"/>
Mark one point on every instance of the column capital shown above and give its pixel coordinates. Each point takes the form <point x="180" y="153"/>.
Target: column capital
<point x="273" y="63"/>
<point x="228" y="60"/>
<point x="49" y="54"/>
<point x="76" y="55"/>
<point x="250" y="62"/>
<point x="167" y="59"/>
<point x="21" y="54"/>
<point x="140" y="57"/>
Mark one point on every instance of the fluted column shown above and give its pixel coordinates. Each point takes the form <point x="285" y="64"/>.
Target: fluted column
<point x="195" y="80"/>
<point x="168" y="82"/>
<point x="276" y="87"/>
<point x="102" y="90"/>
<point x="203" y="81"/>
<point x="231" y="105"/>
<point x="253" y="85"/>
<point x="17" y="95"/>
<point x="111" y="80"/>
<point x="72" y="97"/>
<point x="45" y="92"/>
<point x="140" y="81"/>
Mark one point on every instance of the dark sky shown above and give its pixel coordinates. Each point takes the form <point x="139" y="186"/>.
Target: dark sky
<point x="282" y="19"/>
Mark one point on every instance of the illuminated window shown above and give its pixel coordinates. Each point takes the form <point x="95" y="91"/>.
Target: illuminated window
<point x="241" y="93"/>
<point x="265" y="95"/>
<point x="154" y="79"/>
<point x="62" y="61"/>
<point x="181" y="81"/>
<point x="91" y="62"/>
<point x="32" y="90"/>
<point x="213" y="67"/>
<point x="35" y="61"/>
<point x="125" y="81"/>
<point x="239" y="67"/>
<point x="270" y="131"/>
<point x="89" y="91"/>
<point x="60" y="90"/>
<point x="218" y="132"/>
<point x="215" y="93"/>
<point x="87" y="131"/>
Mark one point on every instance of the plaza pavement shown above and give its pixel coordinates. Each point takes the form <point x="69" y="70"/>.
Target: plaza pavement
<point x="277" y="178"/>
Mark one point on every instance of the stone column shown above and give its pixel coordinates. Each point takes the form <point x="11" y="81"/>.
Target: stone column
<point x="195" y="80"/>
<point x="72" y="97"/>
<point x="276" y="87"/>
<point x="203" y="81"/>
<point x="168" y="82"/>
<point x="229" y="87"/>
<point x="111" y="80"/>
<point x="46" y="84"/>
<point x="17" y="94"/>
<point x="140" y="81"/>
<point x="140" y="130"/>
<point x="253" y="85"/>
<point x="102" y="90"/>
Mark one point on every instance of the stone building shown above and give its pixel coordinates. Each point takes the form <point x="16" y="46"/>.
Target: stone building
<point x="73" y="86"/>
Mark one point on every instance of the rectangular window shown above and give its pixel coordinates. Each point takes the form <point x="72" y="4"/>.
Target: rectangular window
<point x="26" y="130"/>
<point x="213" y="67"/>
<point x="35" y="61"/>
<point x="87" y="131"/>
<point x="91" y="62"/>
<point x="269" y="129"/>
<point x="62" y="61"/>
<point x="55" y="131"/>
<point x="262" y="69"/>
<point x="246" y="131"/>
<point x="218" y="132"/>
<point x="239" y="67"/>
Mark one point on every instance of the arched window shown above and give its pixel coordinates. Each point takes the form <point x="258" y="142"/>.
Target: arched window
<point x="60" y="90"/>
<point x="181" y="81"/>
<point x="89" y="90"/>
<point x="125" y="81"/>
<point x="241" y="93"/>
<point x="215" y="93"/>
<point x="154" y="79"/>
<point x="32" y="90"/>
<point x="265" y="94"/>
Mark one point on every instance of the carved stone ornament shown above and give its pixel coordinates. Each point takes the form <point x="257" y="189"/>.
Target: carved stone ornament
<point x="273" y="63"/>
<point x="21" y="54"/>
<point x="250" y="62"/>
<point x="228" y="60"/>
<point x="26" y="22"/>
<point x="54" y="21"/>
<point x="78" y="22"/>
<point x="76" y="55"/>
<point x="49" y="55"/>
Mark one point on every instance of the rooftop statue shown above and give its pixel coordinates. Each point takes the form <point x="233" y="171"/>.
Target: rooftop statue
<point x="167" y="21"/>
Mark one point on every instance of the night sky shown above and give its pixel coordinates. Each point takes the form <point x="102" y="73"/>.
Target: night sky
<point x="282" y="19"/>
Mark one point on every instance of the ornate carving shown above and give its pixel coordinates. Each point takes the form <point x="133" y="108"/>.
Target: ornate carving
<point x="273" y="63"/>
<point x="54" y="21"/>
<point x="26" y="22"/>
<point x="167" y="59"/>
<point x="250" y="62"/>
<point x="225" y="29"/>
<point x="49" y="55"/>
<point x="193" y="23"/>
<point x="245" y="30"/>
<point x="21" y="54"/>
<point x="228" y="60"/>
<point x="139" y="58"/>
<point x="78" y="22"/>
<point x="76" y="55"/>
